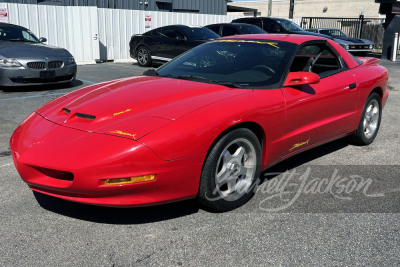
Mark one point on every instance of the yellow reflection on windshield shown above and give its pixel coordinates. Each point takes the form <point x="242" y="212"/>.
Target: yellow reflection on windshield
<point x="247" y="41"/>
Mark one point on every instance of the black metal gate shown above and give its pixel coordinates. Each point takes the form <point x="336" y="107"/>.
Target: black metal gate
<point x="366" y="28"/>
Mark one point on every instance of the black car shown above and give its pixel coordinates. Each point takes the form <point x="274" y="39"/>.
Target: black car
<point x="165" y="43"/>
<point x="228" y="29"/>
<point x="276" y="25"/>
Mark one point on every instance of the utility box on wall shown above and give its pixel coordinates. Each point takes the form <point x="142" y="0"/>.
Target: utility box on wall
<point x="390" y="8"/>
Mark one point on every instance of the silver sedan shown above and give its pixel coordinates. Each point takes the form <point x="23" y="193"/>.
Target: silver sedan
<point x="25" y="60"/>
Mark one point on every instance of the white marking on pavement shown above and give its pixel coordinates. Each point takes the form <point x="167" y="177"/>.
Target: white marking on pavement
<point x="6" y="165"/>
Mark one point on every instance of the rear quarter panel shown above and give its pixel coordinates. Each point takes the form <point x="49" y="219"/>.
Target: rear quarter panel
<point x="371" y="77"/>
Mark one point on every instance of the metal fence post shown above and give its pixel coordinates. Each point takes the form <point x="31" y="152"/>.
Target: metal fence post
<point x="361" y="18"/>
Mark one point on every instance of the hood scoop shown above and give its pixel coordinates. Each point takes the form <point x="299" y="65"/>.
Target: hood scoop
<point x="85" y="116"/>
<point x="79" y="115"/>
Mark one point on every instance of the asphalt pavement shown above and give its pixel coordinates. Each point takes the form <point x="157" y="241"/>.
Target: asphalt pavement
<point x="295" y="218"/>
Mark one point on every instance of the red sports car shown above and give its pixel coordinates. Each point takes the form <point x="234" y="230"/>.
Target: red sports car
<point x="201" y="126"/>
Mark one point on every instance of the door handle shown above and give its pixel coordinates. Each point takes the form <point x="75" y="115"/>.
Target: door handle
<point x="353" y="86"/>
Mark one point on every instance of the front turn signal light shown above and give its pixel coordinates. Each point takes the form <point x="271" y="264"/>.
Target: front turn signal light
<point x="129" y="180"/>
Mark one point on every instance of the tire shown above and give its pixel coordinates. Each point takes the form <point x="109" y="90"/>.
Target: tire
<point x="143" y="56"/>
<point x="370" y="121"/>
<point x="231" y="171"/>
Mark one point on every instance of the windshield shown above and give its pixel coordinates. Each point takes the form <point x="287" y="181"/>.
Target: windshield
<point x="290" y="26"/>
<point x="16" y="34"/>
<point x="200" y="33"/>
<point x="234" y="63"/>
<point x="333" y="32"/>
<point x="251" y="29"/>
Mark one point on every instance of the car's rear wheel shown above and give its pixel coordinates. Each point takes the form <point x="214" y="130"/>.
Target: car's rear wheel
<point x="231" y="171"/>
<point x="370" y="121"/>
<point x="143" y="56"/>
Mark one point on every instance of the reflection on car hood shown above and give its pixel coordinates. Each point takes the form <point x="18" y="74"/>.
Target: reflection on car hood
<point x="30" y="50"/>
<point x="134" y="106"/>
<point x="349" y="40"/>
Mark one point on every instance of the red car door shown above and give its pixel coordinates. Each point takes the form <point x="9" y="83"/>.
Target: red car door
<point x="322" y="111"/>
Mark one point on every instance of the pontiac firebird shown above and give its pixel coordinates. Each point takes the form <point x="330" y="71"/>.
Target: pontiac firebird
<point x="201" y="126"/>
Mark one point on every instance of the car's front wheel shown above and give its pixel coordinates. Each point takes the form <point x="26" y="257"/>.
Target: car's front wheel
<point x="370" y="121"/>
<point x="231" y="171"/>
<point x="143" y="57"/>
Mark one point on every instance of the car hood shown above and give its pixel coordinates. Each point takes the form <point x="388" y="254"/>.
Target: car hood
<point x="133" y="107"/>
<point x="349" y="40"/>
<point x="311" y="33"/>
<point x="30" y="50"/>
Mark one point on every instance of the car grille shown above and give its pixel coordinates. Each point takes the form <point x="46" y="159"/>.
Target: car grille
<point x="55" y="64"/>
<point x="40" y="80"/>
<point x="36" y="65"/>
<point x="359" y="46"/>
<point x="42" y="65"/>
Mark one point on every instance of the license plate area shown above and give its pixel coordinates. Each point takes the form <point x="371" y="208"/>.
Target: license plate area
<point x="48" y="74"/>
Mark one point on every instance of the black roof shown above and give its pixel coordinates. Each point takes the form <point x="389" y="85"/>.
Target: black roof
<point x="232" y="23"/>
<point x="10" y="25"/>
<point x="255" y="18"/>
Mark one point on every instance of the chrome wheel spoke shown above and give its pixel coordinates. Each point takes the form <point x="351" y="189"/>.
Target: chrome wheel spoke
<point x="231" y="186"/>
<point x="227" y="157"/>
<point x="223" y="176"/>
<point x="243" y="171"/>
<point x="239" y="153"/>
<point x="235" y="171"/>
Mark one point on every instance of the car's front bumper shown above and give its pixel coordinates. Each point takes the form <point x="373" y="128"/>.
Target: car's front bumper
<point x="73" y="164"/>
<point x="360" y="50"/>
<point x="23" y="76"/>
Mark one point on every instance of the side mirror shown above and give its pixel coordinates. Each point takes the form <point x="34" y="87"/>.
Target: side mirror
<point x="42" y="40"/>
<point x="301" y="78"/>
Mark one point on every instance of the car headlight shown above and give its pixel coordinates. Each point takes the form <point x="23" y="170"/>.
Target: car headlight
<point x="371" y="46"/>
<point x="70" y="60"/>
<point x="9" y="62"/>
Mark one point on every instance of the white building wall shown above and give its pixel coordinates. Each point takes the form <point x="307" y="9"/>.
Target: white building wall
<point x="92" y="33"/>
<point x="315" y="8"/>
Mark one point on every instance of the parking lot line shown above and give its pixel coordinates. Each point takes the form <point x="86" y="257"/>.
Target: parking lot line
<point x="5" y="165"/>
<point x="89" y="82"/>
<point x="31" y="96"/>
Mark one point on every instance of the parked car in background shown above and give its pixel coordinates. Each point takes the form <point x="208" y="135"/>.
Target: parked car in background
<point x="26" y="60"/>
<point x="353" y="45"/>
<point x="165" y="43"/>
<point x="277" y="25"/>
<point x="228" y="29"/>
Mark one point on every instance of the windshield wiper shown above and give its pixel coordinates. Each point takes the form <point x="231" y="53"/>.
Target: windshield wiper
<point x="232" y="84"/>
<point x="202" y="79"/>
<point x="153" y="72"/>
<point x="194" y="78"/>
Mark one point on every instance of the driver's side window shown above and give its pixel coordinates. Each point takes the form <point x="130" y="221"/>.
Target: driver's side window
<point x="317" y="58"/>
<point x="172" y="33"/>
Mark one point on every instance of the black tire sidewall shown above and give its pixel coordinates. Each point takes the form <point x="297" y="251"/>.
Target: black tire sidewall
<point x="206" y="195"/>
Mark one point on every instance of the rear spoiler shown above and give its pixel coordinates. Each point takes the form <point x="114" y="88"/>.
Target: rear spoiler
<point x="369" y="60"/>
